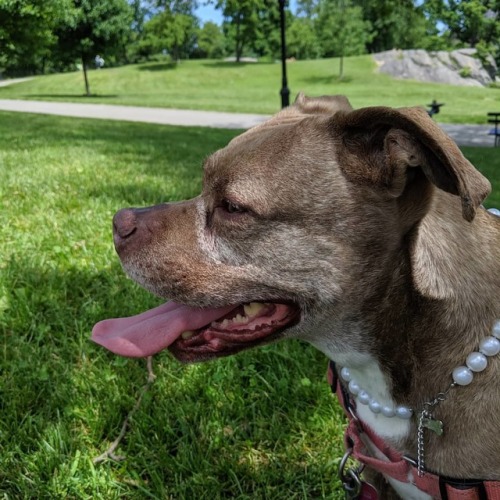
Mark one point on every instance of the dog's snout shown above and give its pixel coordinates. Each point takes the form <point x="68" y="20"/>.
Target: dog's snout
<point x="134" y="229"/>
<point x="124" y="223"/>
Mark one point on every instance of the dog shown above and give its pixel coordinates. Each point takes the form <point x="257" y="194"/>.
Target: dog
<point x="362" y="233"/>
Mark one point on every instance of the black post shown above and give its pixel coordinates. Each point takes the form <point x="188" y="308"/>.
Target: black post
<point x="285" y="92"/>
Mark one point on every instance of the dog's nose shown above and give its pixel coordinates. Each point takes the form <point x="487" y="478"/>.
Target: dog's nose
<point x="124" y="223"/>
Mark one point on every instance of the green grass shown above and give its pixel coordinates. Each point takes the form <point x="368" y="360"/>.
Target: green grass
<point x="254" y="88"/>
<point x="261" y="424"/>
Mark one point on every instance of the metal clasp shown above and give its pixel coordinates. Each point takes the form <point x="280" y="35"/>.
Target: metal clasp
<point x="350" y="477"/>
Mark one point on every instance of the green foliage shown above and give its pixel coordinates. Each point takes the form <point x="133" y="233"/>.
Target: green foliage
<point x="171" y="32"/>
<point x="397" y="24"/>
<point x="49" y="36"/>
<point x="341" y="29"/>
<point x="465" y="72"/>
<point x="27" y="32"/>
<point x="467" y="22"/>
<point x="211" y="43"/>
<point x="241" y="22"/>
<point x="96" y="27"/>
<point x="302" y="42"/>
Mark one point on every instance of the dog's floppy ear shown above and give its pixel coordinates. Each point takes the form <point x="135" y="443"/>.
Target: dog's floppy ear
<point x="379" y="144"/>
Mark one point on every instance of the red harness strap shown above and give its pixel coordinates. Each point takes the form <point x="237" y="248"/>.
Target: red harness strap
<point x="370" y="450"/>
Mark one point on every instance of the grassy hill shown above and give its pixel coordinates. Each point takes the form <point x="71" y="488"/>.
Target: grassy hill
<point x="254" y="88"/>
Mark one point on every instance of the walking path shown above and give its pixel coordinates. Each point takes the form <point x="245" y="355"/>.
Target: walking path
<point x="464" y="135"/>
<point x="162" y="116"/>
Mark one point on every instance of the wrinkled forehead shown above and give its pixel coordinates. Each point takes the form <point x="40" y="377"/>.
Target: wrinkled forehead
<point x="279" y="164"/>
<point x="274" y="149"/>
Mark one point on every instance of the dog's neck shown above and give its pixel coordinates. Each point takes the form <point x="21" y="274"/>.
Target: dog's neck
<point x="451" y="293"/>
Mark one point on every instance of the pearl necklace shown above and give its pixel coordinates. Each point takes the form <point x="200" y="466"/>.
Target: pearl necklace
<point x="475" y="362"/>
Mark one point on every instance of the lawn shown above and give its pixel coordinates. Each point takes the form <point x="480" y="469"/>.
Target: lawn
<point x="261" y="424"/>
<point x="254" y="88"/>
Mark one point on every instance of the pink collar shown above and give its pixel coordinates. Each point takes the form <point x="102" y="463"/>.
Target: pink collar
<point x="393" y="464"/>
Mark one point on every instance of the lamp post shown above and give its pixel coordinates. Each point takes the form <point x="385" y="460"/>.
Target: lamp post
<point x="285" y="92"/>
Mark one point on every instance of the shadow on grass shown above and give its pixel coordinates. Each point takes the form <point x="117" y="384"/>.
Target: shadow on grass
<point x="74" y="96"/>
<point x="327" y="80"/>
<point x="234" y="64"/>
<point x="158" y="67"/>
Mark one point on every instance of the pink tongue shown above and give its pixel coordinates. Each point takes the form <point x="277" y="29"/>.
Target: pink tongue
<point x="152" y="331"/>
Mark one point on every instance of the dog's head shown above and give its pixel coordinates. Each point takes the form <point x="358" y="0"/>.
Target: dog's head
<point x="296" y="228"/>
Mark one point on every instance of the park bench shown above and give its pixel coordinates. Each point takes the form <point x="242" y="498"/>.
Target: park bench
<point x="495" y="131"/>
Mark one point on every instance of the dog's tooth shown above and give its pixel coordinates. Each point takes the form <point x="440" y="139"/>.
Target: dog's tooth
<point x="187" y="334"/>
<point x="224" y="323"/>
<point x="253" y="309"/>
<point x="240" y="319"/>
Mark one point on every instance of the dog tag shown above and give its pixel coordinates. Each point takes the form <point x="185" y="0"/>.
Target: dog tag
<point x="433" y="425"/>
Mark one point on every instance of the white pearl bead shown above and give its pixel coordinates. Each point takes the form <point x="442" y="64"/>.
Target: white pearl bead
<point x="345" y="374"/>
<point x="496" y="329"/>
<point x="404" y="412"/>
<point x="490" y="346"/>
<point x="375" y="406"/>
<point x="476" y="361"/>
<point x="364" y="397"/>
<point x="462" y="375"/>
<point x="388" y="412"/>
<point x="354" y="387"/>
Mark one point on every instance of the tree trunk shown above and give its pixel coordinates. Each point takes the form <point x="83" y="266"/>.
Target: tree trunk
<point x="87" y="87"/>
<point x="238" y="41"/>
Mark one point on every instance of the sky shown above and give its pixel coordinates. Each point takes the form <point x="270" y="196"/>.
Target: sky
<point x="209" y="13"/>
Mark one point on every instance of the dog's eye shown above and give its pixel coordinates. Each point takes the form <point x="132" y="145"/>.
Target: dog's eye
<point x="232" y="208"/>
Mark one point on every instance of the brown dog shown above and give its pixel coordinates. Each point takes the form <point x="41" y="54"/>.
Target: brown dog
<point x="360" y="232"/>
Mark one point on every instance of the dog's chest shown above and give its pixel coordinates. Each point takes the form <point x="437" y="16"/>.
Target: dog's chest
<point x="369" y="379"/>
<point x="368" y="375"/>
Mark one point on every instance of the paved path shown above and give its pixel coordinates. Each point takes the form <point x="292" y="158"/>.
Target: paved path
<point x="136" y="114"/>
<point x="464" y="135"/>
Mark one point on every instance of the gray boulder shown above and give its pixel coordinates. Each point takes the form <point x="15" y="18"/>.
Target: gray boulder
<point x="459" y="67"/>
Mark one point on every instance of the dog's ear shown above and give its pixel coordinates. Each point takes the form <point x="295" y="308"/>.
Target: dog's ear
<point x="326" y="104"/>
<point x="378" y="145"/>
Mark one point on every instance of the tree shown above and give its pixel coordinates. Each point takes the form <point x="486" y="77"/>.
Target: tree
<point x="267" y="38"/>
<point x="241" y="22"/>
<point x="27" y="32"/>
<point x="302" y="42"/>
<point x="172" y="32"/>
<point x="96" y="27"/>
<point x="468" y="22"/>
<point x="210" y="41"/>
<point x="342" y="30"/>
<point x="394" y="23"/>
<point x="475" y="23"/>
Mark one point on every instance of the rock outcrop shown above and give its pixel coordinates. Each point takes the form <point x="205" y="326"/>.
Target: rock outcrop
<point x="459" y="67"/>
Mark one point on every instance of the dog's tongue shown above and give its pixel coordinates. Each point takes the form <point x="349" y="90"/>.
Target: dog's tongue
<point x="152" y="331"/>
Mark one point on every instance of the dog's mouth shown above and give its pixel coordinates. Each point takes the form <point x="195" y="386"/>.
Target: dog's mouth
<point x="196" y="334"/>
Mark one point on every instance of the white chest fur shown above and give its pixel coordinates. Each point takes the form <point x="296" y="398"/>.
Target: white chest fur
<point x="367" y="372"/>
<point x="365" y="369"/>
<point x="370" y="377"/>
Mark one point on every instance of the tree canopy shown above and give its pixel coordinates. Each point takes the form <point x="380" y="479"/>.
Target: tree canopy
<point x="38" y="36"/>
